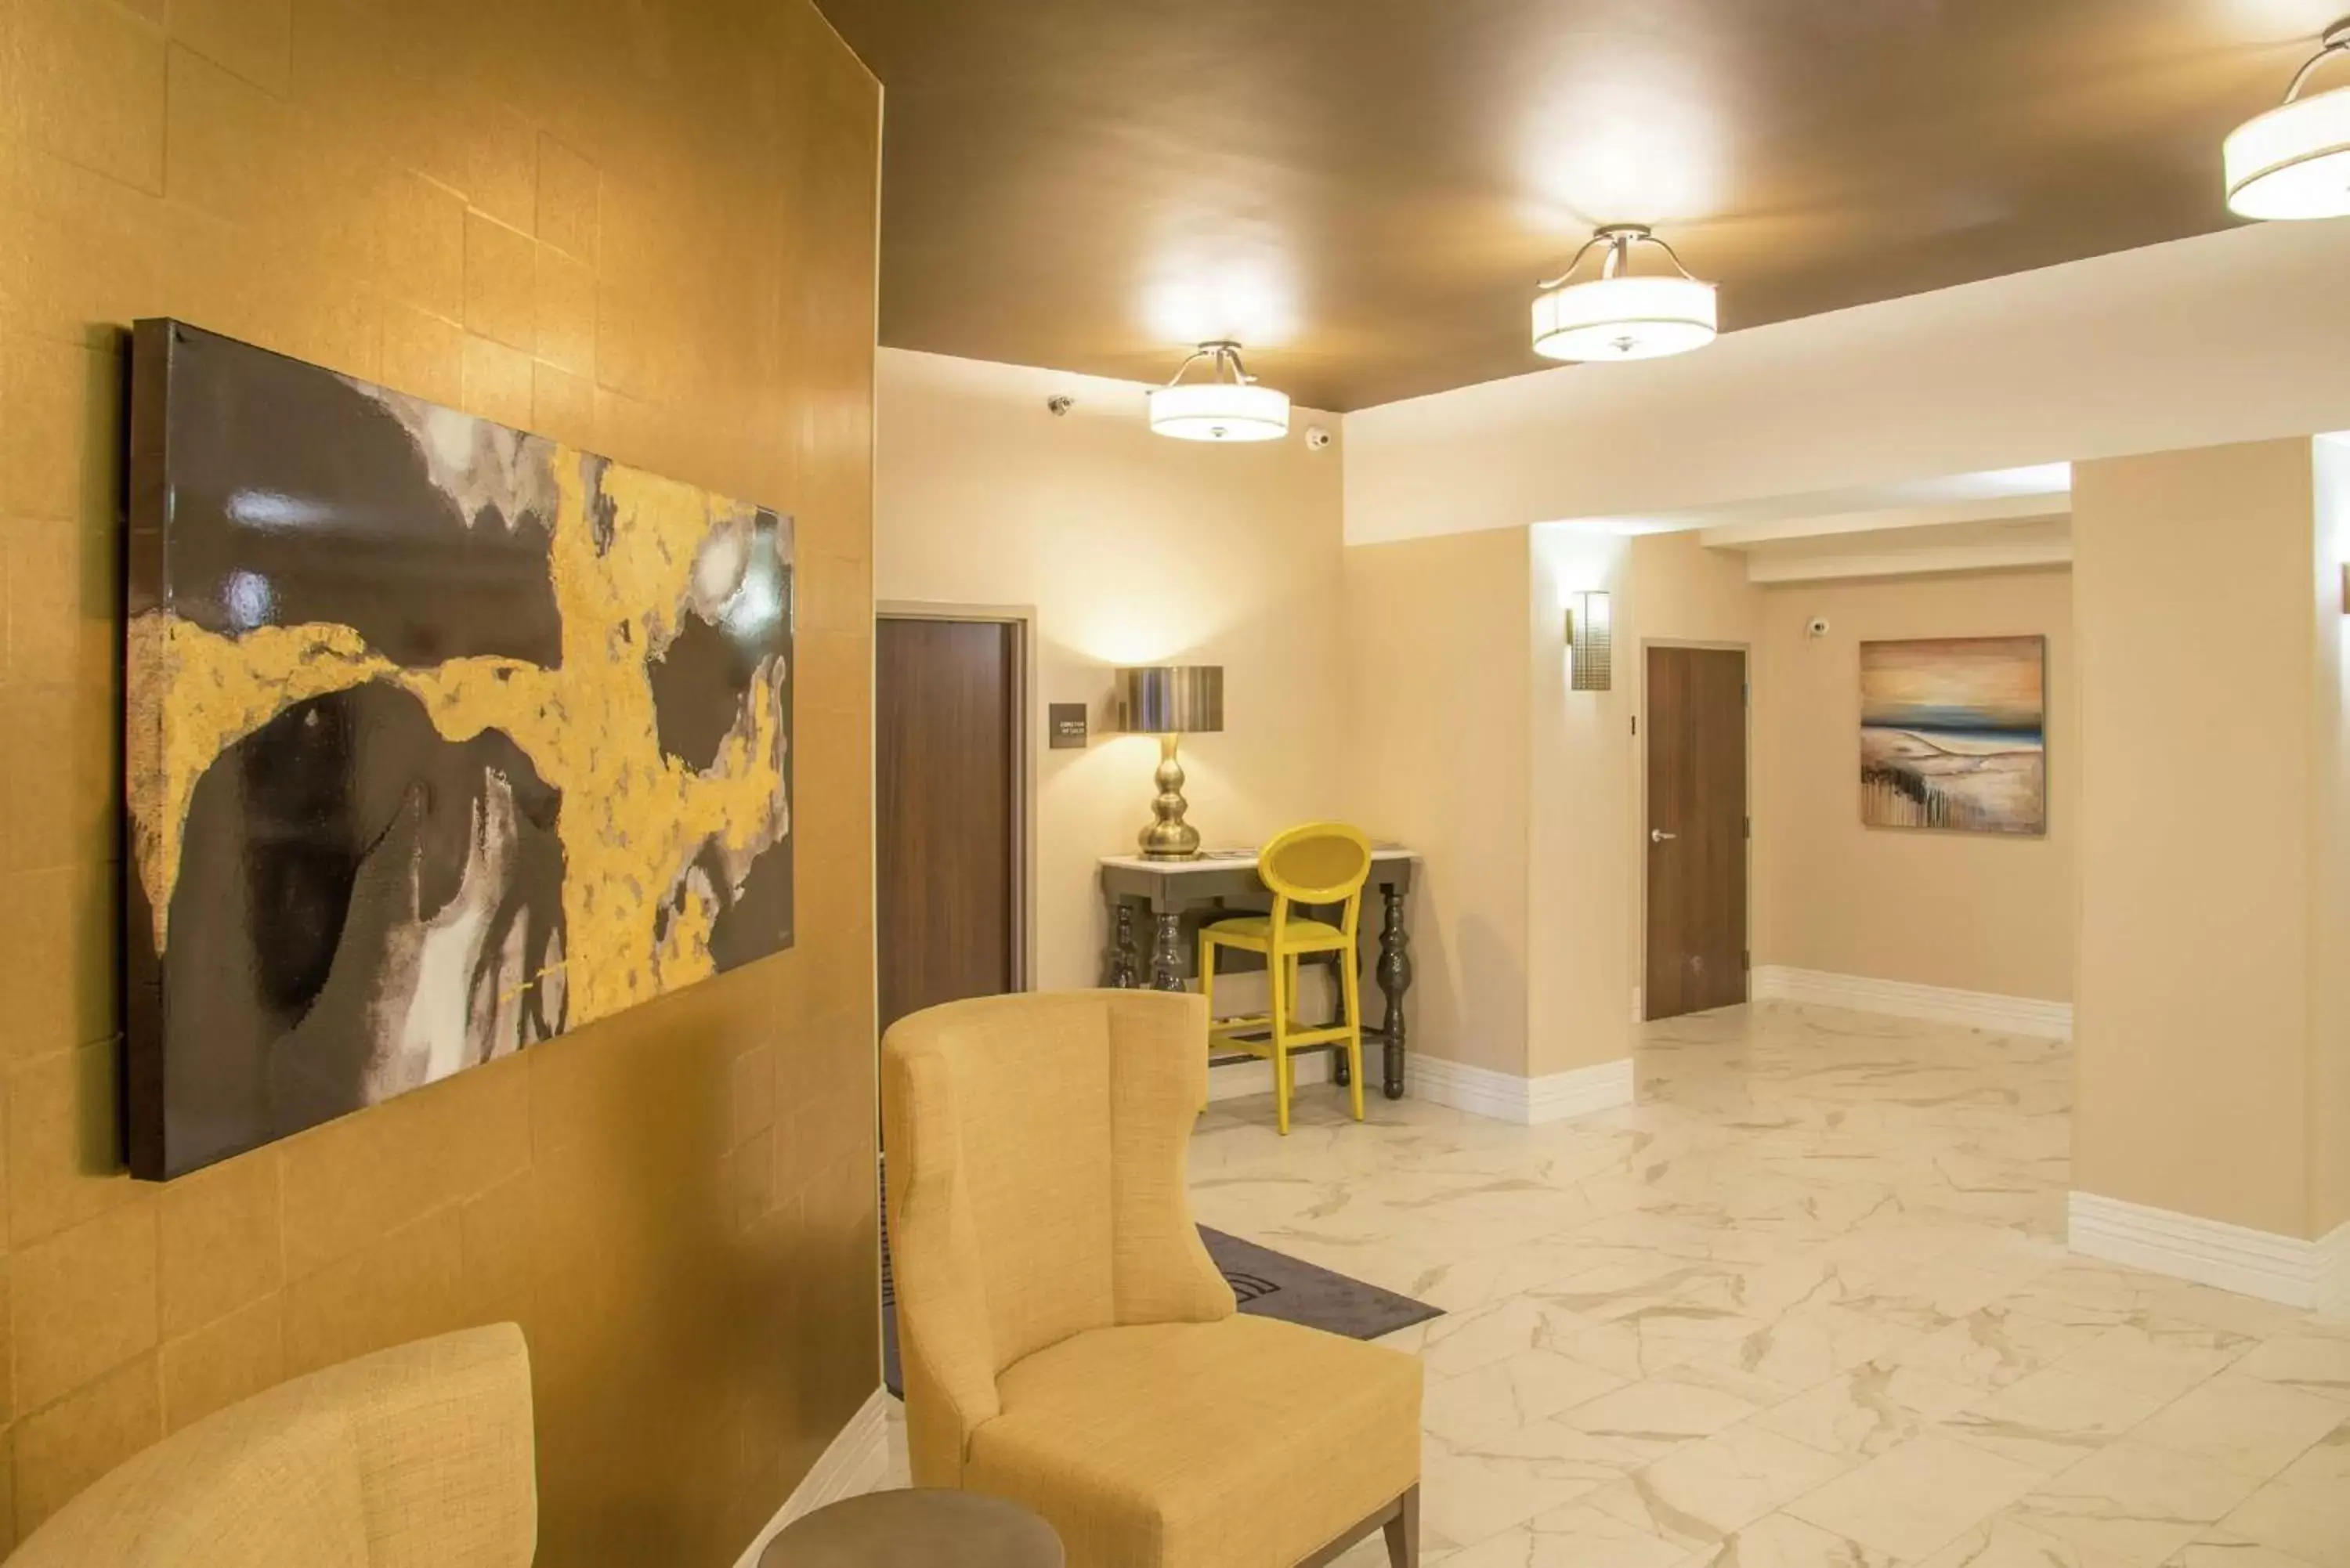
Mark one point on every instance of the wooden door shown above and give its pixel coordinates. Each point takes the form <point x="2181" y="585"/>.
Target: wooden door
<point x="946" y="738"/>
<point x="1696" y="830"/>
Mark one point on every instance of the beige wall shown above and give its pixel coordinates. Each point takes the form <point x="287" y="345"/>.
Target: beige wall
<point x="2198" y="633"/>
<point x="1436" y="754"/>
<point x="2209" y="878"/>
<point x="2098" y="357"/>
<point x="1973" y="911"/>
<point x="1578" y="858"/>
<point x="1523" y="793"/>
<point x="1132" y="549"/>
<point x="646" y="229"/>
<point x="1586" y="891"/>
<point x="2329" y="1034"/>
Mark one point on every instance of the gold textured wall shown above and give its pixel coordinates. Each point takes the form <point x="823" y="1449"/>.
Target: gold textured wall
<point x="643" y="226"/>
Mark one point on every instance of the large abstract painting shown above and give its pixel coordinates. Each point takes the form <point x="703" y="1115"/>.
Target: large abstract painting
<point x="1952" y="733"/>
<point x="441" y="739"/>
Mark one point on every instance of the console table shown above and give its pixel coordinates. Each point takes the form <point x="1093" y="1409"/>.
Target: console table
<point x="1165" y="892"/>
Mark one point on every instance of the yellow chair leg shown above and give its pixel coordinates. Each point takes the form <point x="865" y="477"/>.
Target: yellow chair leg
<point x="1279" y="1006"/>
<point x="1351" y="987"/>
<point x="1208" y="975"/>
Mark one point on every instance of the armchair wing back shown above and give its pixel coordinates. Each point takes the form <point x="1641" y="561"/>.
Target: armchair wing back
<point x="1035" y="1148"/>
<point x="414" y="1456"/>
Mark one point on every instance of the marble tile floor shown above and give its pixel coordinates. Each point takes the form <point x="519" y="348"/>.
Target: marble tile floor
<point x="1805" y="1304"/>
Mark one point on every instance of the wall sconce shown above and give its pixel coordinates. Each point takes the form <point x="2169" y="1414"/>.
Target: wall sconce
<point x="1589" y="638"/>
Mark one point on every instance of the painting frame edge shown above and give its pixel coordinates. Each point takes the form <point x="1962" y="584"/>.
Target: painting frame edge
<point x="2041" y="829"/>
<point x="144" y="584"/>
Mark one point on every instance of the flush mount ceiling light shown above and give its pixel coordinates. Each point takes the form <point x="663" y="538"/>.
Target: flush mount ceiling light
<point x="1616" y="316"/>
<point x="1228" y="405"/>
<point x="2294" y="161"/>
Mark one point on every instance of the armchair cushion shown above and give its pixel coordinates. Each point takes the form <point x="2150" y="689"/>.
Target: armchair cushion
<point x="1295" y="930"/>
<point x="1241" y="1443"/>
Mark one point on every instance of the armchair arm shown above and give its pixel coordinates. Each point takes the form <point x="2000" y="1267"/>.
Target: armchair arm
<point x="944" y="1346"/>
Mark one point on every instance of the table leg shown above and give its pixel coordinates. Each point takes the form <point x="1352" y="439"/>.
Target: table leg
<point x="1167" y="952"/>
<point x="1393" y="973"/>
<point x="1125" y="958"/>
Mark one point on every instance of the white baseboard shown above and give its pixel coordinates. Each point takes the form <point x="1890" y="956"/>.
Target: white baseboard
<point x="851" y="1465"/>
<point x="2333" y="1277"/>
<point x="1507" y="1097"/>
<point x="1238" y="1080"/>
<point x="2281" y="1268"/>
<point x="1941" y="1004"/>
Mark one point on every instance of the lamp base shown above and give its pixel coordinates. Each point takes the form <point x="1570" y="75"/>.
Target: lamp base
<point x="1168" y="836"/>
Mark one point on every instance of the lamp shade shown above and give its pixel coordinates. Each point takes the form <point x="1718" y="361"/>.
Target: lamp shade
<point x="1171" y="699"/>
<point x="1218" y="411"/>
<point x="1623" y="317"/>
<point x="2292" y="162"/>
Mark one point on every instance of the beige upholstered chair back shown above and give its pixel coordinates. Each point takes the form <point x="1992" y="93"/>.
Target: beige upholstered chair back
<point x="418" y="1457"/>
<point x="1035" y="1148"/>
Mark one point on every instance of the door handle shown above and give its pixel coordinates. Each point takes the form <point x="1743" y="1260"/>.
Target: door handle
<point x="1658" y="835"/>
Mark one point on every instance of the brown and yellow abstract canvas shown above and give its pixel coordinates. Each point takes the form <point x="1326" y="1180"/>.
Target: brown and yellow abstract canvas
<point x="441" y="739"/>
<point x="1953" y="734"/>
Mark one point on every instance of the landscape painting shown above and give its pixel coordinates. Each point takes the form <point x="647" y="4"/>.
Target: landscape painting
<point x="1953" y="734"/>
<point x="441" y="739"/>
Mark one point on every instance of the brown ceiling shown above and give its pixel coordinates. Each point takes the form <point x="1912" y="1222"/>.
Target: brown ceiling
<point x="1365" y="191"/>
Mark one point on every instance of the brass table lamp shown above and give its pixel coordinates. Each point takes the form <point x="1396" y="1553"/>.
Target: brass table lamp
<point x="1171" y="701"/>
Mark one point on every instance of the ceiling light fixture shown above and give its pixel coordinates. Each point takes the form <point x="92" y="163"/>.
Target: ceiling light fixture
<point x="1616" y="316"/>
<point x="2294" y="161"/>
<point x="1228" y="405"/>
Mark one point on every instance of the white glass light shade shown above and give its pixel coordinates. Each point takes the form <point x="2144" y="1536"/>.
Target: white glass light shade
<point x="1218" y="411"/>
<point x="1623" y="317"/>
<point x="2292" y="162"/>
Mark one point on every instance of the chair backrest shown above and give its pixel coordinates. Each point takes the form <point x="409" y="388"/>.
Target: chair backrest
<point x="418" y="1455"/>
<point x="1319" y="862"/>
<point x="1035" y="1148"/>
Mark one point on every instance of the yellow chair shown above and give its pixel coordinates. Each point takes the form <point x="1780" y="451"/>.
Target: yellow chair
<point x="1319" y="864"/>
<point x="1067" y="1342"/>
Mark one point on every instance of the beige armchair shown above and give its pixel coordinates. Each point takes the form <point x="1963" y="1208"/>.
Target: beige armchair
<point x="1067" y="1342"/>
<point x="421" y="1454"/>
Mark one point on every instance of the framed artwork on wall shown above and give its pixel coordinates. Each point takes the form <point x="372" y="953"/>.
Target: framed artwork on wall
<point x="441" y="739"/>
<point x="1953" y="734"/>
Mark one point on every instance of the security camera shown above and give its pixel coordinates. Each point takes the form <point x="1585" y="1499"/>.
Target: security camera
<point x="1817" y="626"/>
<point x="1316" y="437"/>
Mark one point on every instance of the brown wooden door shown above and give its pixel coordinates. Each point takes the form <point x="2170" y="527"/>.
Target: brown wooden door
<point x="1696" y="830"/>
<point x="946" y="732"/>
